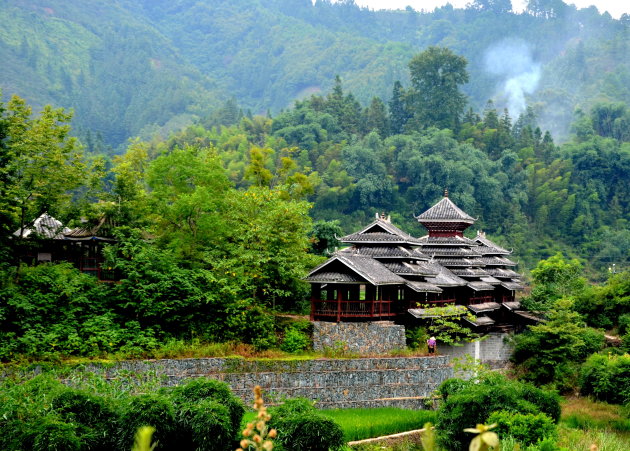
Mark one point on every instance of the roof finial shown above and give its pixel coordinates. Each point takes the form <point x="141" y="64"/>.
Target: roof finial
<point x="445" y="192"/>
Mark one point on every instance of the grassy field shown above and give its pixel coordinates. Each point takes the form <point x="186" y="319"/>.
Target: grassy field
<point x="359" y="424"/>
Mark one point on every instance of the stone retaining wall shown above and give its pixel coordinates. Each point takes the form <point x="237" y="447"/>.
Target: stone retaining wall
<point x="379" y="337"/>
<point x="333" y="383"/>
<point x="492" y="350"/>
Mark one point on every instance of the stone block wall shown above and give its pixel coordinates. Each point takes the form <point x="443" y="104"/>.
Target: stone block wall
<point x="332" y="383"/>
<point x="379" y="337"/>
<point x="492" y="350"/>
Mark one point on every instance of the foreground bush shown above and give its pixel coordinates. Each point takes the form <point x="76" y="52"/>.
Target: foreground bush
<point x="301" y="428"/>
<point x="527" y="429"/>
<point x="202" y="389"/>
<point x="607" y="378"/>
<point x="468" y="403"/>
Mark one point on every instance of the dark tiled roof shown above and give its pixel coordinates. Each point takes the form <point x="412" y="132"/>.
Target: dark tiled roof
<point x="495" y="248"/>
<point x="468" y="272"/>
<point x="423" y="287"/>
<point x="334" y="277"/>
<point x="484" y="307"/>
<point x="380" y="251"/>
<point x="502" y="273"/>
<point x="446" y="278"/>
<point x="45" y="226"/>
<point x="454" y="261"/>
<point x="491" y="280"/>
<point x="480" y="286"/>
<point x="448" y="251"/>
<point x="366" y="268"/>
<point x="512" y="305"/>
<point x="380" y="231"/>
<point x="511" y="285"/>
<point x="419" y="269"/>
<point x="445" y="211"/>
<point x="446" y="241"/>
<point x="495" y="260"/>
<point x="481" y="321"/>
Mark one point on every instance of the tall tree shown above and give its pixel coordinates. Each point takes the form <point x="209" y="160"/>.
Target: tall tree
<point x="39" y="162"/>
<point x="398" y="114"/>
<point x="436" y="75"/>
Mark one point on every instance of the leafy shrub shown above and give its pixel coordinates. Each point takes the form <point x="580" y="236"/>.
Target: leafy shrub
<point x="202" y="389"/>
<point x="51" y="433"/>
<point x="451" y="386"/>
<point x="295" y="341"/>
<point x="624" y="324"/>
<point x="551" y="352"/>
<point x="527" y="429"/>
<point x="300" y="427"/>
<point x="206" y="425"/>
<point x="291" y="407"/>
<point x="148" y="410"/>
<point x="94" y="416"/>
<point x="309" y="432"/>
<point x="607" y="377"/>
<point x="473" y="401"/>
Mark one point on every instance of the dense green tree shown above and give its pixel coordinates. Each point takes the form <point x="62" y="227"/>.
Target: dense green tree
<point x="40" y="162"/>
<point x="436" y="75"/>
<point x="398" y="114"/>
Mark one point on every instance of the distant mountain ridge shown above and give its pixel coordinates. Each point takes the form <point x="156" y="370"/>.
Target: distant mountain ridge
<point x="130" y="67"/>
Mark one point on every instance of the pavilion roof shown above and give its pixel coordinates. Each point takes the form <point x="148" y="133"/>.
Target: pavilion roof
<point x="480" y="286"/>
<point x="393" y="251"/>
<point x="452" y="241"/>
<point x="45" y="226"/>
<point x="380" y="231"/>
<point x="411" y="268"/>
<point x="489" y="247"/>
<point x="445" y="278"/>
<point x="445" y="211"/>
<point x="423" y="287"/>
<point x="484" y="307"/>
<point x="354" y="268"/>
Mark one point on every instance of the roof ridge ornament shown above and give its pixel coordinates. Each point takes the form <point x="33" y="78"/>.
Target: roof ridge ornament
<point x="445" y="192"/>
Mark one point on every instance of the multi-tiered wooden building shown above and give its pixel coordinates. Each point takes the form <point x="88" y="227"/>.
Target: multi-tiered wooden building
<point x="387" y="274"/>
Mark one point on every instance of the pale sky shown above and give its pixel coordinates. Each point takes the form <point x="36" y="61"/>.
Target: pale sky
<point x="615" y="7"/>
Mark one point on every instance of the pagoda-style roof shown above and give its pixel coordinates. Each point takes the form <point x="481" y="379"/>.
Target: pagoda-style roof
<point x="502" y="273"/>
<point x="446" y="278"/>
<point x="101" y="231"/>
<point x="481" y="321"/>
<point x="405" y="268"/>
<point x="489" y="247"/>
<point x="495" y="260"/>
<point x="454" y="261"/>
<point x="512" y="285"/>
<point x="45" y="226"/>
<point x="379" y="251"/>
<point x="380" y="231"/>
<point x="455" y="240"/>
<point x="423" y="287"/>
<point x="484" y="307"/>
<point x="480" y="286"/>
<point x="445" y="211"/>
<point x="353" y="269"/>
<point x="491" y="280"/>
<point x="469" y="272"/>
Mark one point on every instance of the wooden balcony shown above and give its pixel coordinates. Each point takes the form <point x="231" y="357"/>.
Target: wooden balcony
<point x="338" y="310"/>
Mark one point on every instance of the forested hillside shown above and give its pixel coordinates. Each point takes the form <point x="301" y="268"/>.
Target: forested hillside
<point x="136" y="67"/>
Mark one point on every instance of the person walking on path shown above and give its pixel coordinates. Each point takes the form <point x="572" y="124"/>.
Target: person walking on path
<point x="431" y="342"/>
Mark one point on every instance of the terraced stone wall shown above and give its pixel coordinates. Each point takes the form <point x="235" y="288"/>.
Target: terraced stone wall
<point x="333" y="383"/>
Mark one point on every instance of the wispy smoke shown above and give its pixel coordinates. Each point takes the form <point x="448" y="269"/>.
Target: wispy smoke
<point x="511" y="60"/>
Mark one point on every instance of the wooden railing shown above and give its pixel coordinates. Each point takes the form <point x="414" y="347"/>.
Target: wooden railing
<point x="351" y="309"/>
<point x="480" y="300"/>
